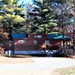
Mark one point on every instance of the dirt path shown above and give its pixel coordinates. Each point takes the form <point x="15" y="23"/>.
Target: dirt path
<point x="9" y="60"/>
<point x="33" y="65"/>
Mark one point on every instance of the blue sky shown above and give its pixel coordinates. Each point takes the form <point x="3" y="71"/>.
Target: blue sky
<point x="26" y="1"/>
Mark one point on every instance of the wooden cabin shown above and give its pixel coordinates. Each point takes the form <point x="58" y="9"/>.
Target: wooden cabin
<point x="33" y="43"/>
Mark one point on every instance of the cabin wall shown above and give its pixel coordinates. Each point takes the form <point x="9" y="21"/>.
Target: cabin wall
<point x="34" y="42"/>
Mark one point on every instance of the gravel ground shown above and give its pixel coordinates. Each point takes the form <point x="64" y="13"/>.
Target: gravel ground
<point x="33" y="65"/>
<point x="19" y="60"/>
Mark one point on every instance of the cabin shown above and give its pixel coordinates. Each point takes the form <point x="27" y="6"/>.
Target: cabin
<point x="33" y="43"/>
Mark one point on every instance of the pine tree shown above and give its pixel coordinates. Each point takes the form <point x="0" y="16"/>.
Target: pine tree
<point x="10" y="15"/>
<point x="43" y="19"/>
<point x="11" y="18"/>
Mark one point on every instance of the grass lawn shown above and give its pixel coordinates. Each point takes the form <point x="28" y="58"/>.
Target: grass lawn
<point x="65" y="71"/>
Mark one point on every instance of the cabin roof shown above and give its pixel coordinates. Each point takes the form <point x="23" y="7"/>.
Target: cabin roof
<point x="57" y="36"/>
<point x="19" y="36"/>
<point x="49" y="36"/>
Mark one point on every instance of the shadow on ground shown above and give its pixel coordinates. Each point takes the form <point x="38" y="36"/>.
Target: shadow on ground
<point x="23" y="55"/>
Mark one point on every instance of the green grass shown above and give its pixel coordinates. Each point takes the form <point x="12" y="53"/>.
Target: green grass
<point x="66" y="71"/>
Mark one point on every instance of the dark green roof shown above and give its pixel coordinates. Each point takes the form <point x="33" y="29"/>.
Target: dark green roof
<point x="57" y="36"/>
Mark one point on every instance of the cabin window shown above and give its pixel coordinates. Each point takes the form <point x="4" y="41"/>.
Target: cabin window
<point x="37" y="36"/>
<point x="1" y="44"/>
<point x="10" y="43"/>
<point x="47" y="42"/>
<point x="35" y="42"/>
<point x="21" y="41"/>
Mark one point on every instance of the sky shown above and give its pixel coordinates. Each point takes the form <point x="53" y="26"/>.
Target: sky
<point x="25" y="1"/>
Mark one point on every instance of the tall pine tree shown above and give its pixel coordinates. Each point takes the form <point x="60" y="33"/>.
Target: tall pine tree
<point x="11" y="18"/>
<point x="11" y="15"/>
<point x="43" y="17"/>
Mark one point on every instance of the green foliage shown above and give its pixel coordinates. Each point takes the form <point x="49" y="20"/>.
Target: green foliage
<point x="45" y="10"/>
<point x="15" y="18"/>
<point x="10" y="10"/>
<point x="19" y="9"/>
<point x="10" y="1"/>
<point x="1" y="18"/>
<point x="12" y="15"/>
<point x="58" y="1"/>
<point x="18" y="19"/>
<point x="66" y="71"/>
<point x="43" y="21"/>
